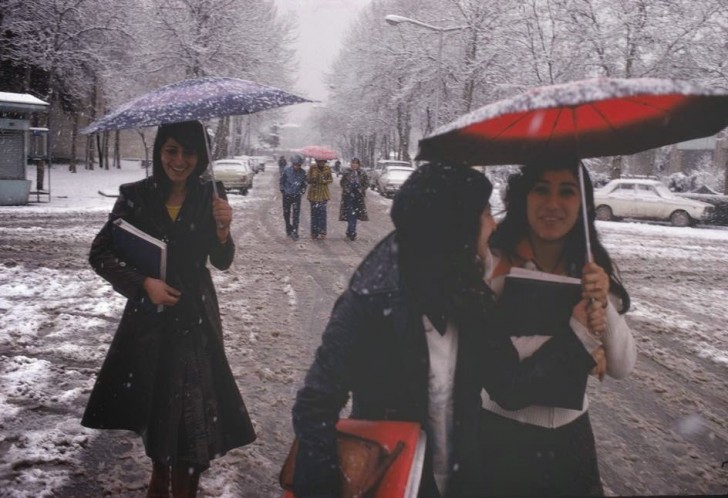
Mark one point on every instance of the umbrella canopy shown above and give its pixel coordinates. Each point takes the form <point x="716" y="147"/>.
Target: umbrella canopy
<point x="589" y="118"/>
<point x="194" y="99"/>
<point x="319" y="152"/>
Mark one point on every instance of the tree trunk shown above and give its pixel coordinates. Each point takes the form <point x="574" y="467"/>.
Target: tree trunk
<point x="74" y="137"/>
<point x="90" y="156"/>
<point x="100" y="148"/>
<point x="470" y="55"/>
<point x="117" y="150"/>
<point x="403" y="131"/>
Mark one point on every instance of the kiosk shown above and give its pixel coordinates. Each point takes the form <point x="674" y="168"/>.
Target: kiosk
<point x="16" y="135"/>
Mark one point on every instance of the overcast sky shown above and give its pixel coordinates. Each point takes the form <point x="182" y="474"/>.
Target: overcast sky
<point x="321" y="25"/>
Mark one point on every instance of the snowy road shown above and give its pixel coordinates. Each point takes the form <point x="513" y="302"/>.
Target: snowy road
<point x="664" y="430"/>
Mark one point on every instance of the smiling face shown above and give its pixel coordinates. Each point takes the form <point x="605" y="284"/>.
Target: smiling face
<point x="552" y="205"/>
<point x="178" y="162"/>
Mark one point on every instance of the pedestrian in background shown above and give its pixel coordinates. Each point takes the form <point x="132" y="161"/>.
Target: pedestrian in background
<point x="282" y="163"/>
<point x="292" y="186"/>
<point x="319" y="178"/>
<point x="354" y="184"/>
<point x="166" y="376"/>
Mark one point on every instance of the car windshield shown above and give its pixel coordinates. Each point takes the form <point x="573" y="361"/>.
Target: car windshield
<point x="230" y="165"/>
<point x="399" y="173"/>
<point x="386" y="164"/>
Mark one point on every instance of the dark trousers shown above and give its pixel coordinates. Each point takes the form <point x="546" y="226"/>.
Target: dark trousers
<point x="318" y="218"/>
<point x="291" y="203"/>
<point x="351" y="212"/>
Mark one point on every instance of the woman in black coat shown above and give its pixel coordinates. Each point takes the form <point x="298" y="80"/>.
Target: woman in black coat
<point x="166" y="376"/>
<point x="420" y="285"/>
<point x="354" y="185"/>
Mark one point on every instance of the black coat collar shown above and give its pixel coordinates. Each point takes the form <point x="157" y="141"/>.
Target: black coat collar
<point x="379" y="272"/>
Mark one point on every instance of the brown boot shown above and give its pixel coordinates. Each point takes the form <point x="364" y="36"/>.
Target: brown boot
<point x="159" y="483"/>
<point x="184" y="481"/>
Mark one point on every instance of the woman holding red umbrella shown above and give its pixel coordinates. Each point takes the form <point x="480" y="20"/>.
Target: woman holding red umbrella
<point x="550" y="450"/>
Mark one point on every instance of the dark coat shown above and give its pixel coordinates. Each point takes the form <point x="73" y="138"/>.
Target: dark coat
<point x="374" y="346"/>
<point x="353" y="198"/>
<point x="128" y="384"/>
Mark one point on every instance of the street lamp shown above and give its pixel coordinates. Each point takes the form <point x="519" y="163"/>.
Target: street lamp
<point x="394" y="20"/>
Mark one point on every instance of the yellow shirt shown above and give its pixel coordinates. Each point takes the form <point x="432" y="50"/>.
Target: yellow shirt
<point x="173" y="211"/>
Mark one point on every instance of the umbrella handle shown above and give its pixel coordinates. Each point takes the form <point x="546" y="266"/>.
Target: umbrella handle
<point x="209" y="165"/>
<point x="587" y="238"/>
<point x="209" y="160"/>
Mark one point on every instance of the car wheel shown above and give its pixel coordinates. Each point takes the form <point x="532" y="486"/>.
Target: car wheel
<point x="604" y="213"/>
<point x="680" y="219"/>
<point x="244" y="191"/>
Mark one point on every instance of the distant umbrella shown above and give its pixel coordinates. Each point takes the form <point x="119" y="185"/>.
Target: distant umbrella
<point x="194" y="99"/>
<point x="319" y="152"/>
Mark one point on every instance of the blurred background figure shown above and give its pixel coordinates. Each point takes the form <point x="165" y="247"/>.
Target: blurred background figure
<point x="319" y="177"/>
<point x="354" y="184"/>
<point x="282" y="163"/>
<point x="292" y="186"/>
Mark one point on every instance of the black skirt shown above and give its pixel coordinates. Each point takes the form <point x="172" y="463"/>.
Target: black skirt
<point x="524" y="459"/>
<point x="183" y="427"/>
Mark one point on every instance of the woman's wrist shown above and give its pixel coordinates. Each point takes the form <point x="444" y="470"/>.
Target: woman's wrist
<point x="223" y="234"/>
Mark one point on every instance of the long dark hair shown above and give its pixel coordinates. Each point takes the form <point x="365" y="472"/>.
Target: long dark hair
<point x="514" y="227"/>
<point x="189" y="134"/>
<point x="436" y="214"/>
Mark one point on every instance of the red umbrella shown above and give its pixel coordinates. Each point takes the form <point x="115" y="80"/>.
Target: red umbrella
<point x="589" y="118"/>
<point x="319" y="152"/>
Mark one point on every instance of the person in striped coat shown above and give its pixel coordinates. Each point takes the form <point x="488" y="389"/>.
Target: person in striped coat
<point x="319" y="177"/>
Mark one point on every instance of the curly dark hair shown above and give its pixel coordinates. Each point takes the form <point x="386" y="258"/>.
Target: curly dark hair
<point x="514" y="227"/>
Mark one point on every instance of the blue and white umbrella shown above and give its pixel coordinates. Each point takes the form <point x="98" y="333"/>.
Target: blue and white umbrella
<point x="194" y="100"/>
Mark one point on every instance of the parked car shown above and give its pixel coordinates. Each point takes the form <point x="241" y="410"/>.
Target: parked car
<point x="648" y="200"/>
<point x="392" y="178"/>
<point x="235" y="174"/>
<point x="258" y="163"/>
<point x="378" y="169"/>
<point x="718" y="201"/>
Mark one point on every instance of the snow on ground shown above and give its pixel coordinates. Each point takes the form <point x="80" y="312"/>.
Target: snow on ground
<point x="56" y="320"/>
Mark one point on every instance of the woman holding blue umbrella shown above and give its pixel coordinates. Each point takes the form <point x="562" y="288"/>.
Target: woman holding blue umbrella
<point x="166" y="376"/>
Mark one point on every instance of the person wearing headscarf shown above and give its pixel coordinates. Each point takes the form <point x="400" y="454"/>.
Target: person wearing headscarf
<point x="410" y="339"/>
<point x="166" y="376"/>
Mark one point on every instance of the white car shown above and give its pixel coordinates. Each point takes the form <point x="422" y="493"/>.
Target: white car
<point x="379" y="167"/>
<point x="234" y="174"/>
<point x="648" y="200"/>
<point x="392" y="178"/>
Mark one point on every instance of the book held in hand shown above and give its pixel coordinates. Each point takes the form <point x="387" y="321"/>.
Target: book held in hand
<point x="537" y="303"/>
<point x="378" y="459"/>
<point x="139" y="249"/>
